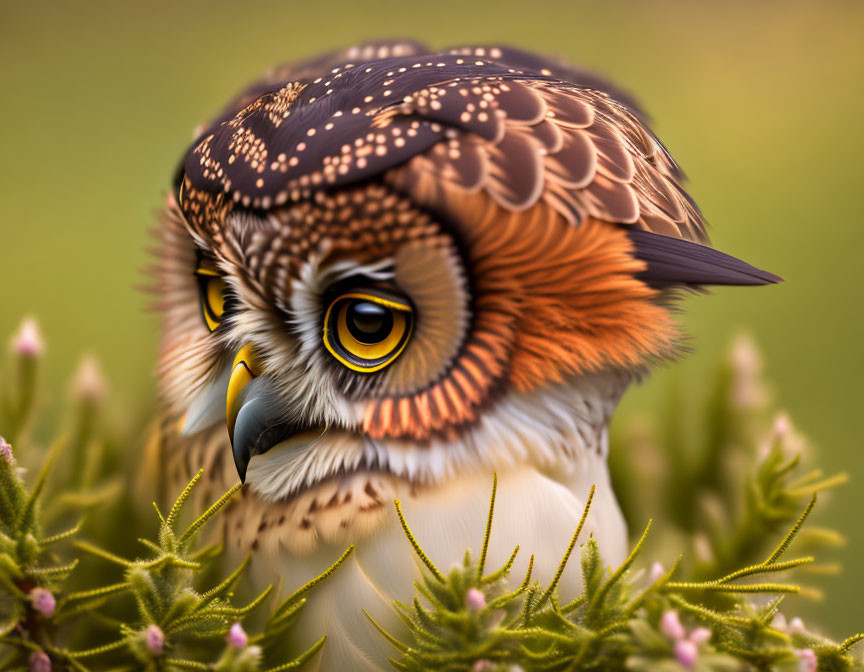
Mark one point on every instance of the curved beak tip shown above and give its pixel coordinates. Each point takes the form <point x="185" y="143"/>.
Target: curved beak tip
<point x="241" y="463"/>
<point x="242" y="415"/>
<point x="252" y="421"/>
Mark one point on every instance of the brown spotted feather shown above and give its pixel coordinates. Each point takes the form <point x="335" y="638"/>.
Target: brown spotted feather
<point x="467" y="119"/>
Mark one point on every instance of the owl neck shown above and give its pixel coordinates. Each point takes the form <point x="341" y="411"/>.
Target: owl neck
<point x="546" y="443"/>
<point x="550" y="427"/>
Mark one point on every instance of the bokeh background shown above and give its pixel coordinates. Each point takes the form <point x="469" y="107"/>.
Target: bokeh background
<point x="760" y="102"/>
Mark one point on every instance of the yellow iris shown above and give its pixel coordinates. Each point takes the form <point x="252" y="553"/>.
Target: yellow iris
<point x="366" y="331"/>
<point x="211" y="289"/>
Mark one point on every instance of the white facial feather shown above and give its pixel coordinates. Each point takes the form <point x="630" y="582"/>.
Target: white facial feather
<point x="208" y="404"/>
<point x="550" y="429"/>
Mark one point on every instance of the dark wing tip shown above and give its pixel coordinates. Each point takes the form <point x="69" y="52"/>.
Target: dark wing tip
<point x="676" y="261"/>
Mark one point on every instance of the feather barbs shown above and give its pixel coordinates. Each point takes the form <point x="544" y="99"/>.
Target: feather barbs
<point x="551" y="300"/>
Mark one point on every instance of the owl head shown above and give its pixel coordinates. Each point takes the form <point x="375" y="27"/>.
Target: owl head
<point x="419" y="263"/>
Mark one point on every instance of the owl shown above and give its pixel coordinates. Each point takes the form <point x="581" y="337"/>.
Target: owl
<point x="390" y="272"/>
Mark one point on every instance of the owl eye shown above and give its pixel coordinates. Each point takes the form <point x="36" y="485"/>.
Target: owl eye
<point x="366" y="330"/>
<point x="211" y="291"/>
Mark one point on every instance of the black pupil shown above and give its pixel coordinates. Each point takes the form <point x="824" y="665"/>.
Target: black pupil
<point x="369" y="322"/>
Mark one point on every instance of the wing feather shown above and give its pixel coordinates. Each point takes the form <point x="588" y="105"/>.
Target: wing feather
<point x="601" y="161"/>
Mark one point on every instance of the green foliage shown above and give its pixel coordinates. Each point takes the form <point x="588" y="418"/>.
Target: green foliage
<point x="723" y="496"/>
<point x="140" y="592"/>
<point x="723" y="490"/>
<point x="469" y="621"/>
<point x="163" y="621"/>
<point x="172" y="618"/>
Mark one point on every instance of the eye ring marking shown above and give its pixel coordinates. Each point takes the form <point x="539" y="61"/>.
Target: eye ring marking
<point x="365" y="339"/>
<point x="211" y="295"/>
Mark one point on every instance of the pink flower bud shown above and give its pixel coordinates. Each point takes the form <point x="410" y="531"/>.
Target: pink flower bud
<point x="747" y="388"/>
<point x="6" y="451"/>
<point x="796" y="626"/>
<point x="155" y="640"/>
<point x="702" y="547"/>
<point x="43" y="601"/>
<point x="28" y="340"/>
<point x="779" y="622"/>
<point x="686" y="652"/>
<point x="88" y="384"/>
<point x="237" y="637"/>
<point x="39" y="662"/>
<point x="483" y="665"/>
<point x="700" y="636"/>
<point x="475" y="600"/>
<point x="657" y="572"/>
<point x="670" y="625"/>
<point x="781" y="425"/>
<point x="807" y="661"/>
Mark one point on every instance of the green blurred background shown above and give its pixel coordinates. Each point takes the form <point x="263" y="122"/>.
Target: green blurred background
<point x="760" y="102"/>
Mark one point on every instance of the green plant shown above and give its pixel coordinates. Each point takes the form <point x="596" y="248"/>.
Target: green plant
<point x="721" y="478"/>
<point x="468" y="620"/>
<point x="155" y="616"/>
<point x="141" y="592"/>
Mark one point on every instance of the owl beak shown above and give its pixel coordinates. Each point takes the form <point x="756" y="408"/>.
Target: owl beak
<point x="254" y="422"/>
<point x="245" y="416"/>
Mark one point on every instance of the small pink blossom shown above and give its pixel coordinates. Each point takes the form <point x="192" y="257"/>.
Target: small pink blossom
<point x="482" y="665"/>
<point x="475" y="600"/>
<point x="807" y="661"/>
<point x="670" y="625"/>
<point x="747" y="388"/>
<point x="155" y="640"/>
<point x="796" y="626"/>
<point x="237" y="637"/>
<point x="702" y="547"/>
<point x="686" y="647"/>
<point x="781" y="426"/>
<point x="6" y="451"/>
<point x="39" y="662"/>
<point x="43" y="601"/>
<point x="793" y="627"/>
<point x="657" y="572"/>
<point x="88" y="383"/>
<point x="700" y="635"/>
<point x="28" y="340"/>
<point x="686" y="652"/>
